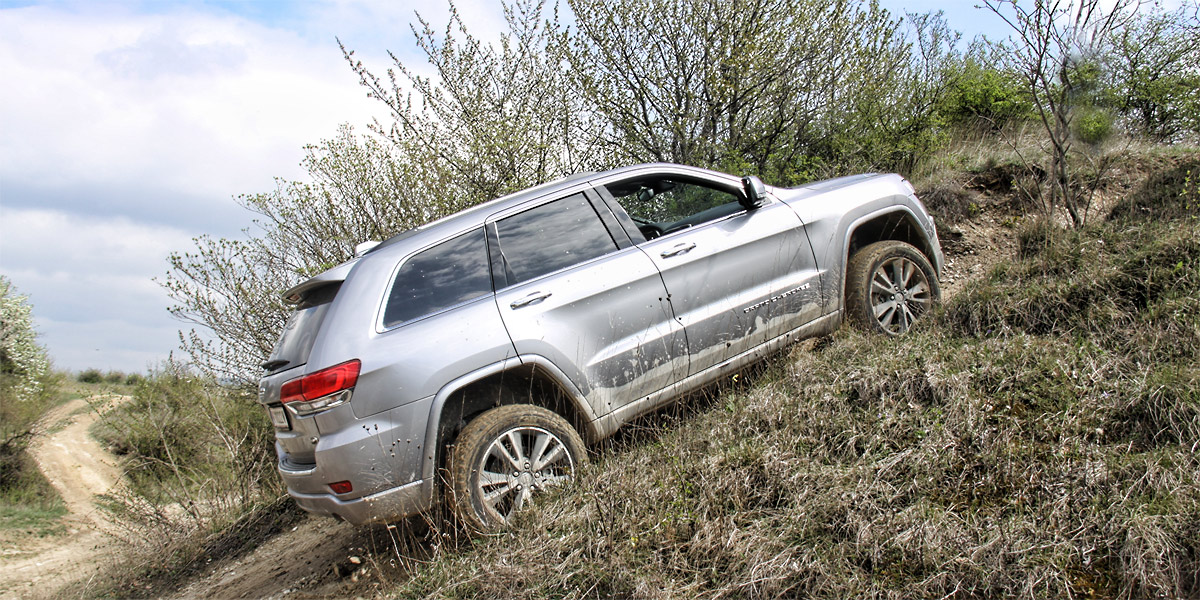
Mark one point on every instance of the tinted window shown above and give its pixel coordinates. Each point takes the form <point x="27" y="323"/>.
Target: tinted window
<point x="296" y="341"/>
<point x="550" y="237"/>
<point x="451" y="272"/>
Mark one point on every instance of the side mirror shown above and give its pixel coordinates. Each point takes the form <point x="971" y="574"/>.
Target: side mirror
<point x="754" y="193"/>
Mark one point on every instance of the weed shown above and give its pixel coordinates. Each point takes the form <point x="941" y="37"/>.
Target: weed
<point x="90" y="376"/>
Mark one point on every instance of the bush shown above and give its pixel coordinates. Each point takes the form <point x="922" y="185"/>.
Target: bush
<point x="183" y="435"/>
<point x="198" y="457"/>
<point x="90" y="376"/>
<point x="984" y="93"/>
<point x="1093" y="125"/>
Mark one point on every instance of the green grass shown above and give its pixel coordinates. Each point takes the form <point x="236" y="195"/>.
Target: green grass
<point x="36" y="519"/>
<point x="29" y="505"/>
<point x="1036" y="438"/>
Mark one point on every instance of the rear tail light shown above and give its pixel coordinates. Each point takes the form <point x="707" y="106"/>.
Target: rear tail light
<point x="341" y="487"/>
<point x="322" y="390"/>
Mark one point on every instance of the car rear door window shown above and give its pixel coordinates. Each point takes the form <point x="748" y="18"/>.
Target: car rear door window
<point x="553" y="236"/>
<point x="438" y="278"/>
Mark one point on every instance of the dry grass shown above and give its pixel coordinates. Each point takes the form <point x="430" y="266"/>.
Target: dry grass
<point x="199" y="480"/>
<point x="1038" y="438"/>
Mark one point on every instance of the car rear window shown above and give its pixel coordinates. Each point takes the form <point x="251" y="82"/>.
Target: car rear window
<point x="438" y="278"/>
<point x="296" y="342"/>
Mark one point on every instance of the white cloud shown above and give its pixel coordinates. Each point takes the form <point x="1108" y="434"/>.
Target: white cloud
<point x="89" y="345"/>
<point x="89" y="281"/>
<point x="197" y="104"/>
<point x="58" y="242"/>
<point x="122" y="135"/>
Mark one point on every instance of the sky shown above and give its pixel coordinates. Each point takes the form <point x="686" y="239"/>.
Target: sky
<point x="129" y="128"/>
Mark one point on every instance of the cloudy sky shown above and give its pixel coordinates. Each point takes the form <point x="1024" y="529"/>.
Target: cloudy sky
<point x="128" y="128"/>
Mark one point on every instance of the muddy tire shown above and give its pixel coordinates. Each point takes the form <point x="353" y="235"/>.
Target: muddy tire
<point x="505" y="457"/>
<point x="889" y="285"/>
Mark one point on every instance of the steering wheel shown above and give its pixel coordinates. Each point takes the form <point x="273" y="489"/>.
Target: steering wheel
<point x="649" y="229"/>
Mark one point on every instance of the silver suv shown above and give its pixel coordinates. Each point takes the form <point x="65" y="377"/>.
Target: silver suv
<point x="476" y="357"/>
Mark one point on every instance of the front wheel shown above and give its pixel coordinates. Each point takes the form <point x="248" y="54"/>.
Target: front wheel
<point x="889" y="285"/>
<point x="506" y="456"/>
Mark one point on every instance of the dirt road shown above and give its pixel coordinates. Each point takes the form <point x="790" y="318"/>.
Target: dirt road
<point x="79" y="468"/>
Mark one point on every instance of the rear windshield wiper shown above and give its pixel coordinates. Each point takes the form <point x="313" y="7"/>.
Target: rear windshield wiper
<point x="271" y="365"/>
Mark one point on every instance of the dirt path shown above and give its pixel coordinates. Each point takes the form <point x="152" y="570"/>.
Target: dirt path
<point x="79" y="468"/>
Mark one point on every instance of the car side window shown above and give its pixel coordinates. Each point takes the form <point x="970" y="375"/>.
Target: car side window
<point x="439" y="277"/>
<point x="660" y="205"/>
<point x="553" y="236"/>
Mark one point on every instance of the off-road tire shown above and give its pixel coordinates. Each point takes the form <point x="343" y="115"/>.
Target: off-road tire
<point x="473" y="454"/>
<point x="873" y="266"/>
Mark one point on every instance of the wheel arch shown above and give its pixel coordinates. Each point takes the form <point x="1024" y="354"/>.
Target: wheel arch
<point x="898" y="224"/>
<point x="508" y="382"/>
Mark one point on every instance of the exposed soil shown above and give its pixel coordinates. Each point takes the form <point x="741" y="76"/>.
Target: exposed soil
<point x="318" y="558"/>
<point x="79" y="468"/>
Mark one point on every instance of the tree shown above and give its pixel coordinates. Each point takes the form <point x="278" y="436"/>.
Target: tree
<point x="894" y="121"/>
<point x="362" y="189"/>
<point x="1155" y="68"/>
<point x="23" y="363"/>
<point x="1057" y="45"/>
<point x="780" y="88"/>
<point x="748" y="85"/>
<point x="493" y="118"/>
<point x="26" y="383"/>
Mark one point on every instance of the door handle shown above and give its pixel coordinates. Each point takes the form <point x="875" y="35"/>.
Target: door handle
<point x="533" y="298"/>
<point x="677" y="250"/>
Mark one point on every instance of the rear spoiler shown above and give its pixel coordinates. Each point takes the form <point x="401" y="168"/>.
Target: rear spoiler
<point x="335" y="275"/>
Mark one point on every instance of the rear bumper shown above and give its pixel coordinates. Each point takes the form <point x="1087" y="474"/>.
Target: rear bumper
<point x="380" y="507"/>
<point x="379" y="457"/>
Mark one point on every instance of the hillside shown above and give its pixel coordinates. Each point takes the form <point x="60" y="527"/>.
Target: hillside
<point x="1037" y="437"/>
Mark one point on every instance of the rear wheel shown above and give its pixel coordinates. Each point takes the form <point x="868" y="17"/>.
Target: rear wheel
<point x="505" y="457"/>
<point x="889" y="285"/>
